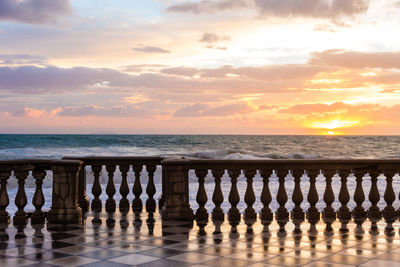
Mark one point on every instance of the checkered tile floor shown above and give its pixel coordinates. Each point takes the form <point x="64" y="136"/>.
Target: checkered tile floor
<point x="142" y="241"/>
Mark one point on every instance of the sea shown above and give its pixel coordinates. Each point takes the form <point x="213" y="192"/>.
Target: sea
<point x="52" y="146"/>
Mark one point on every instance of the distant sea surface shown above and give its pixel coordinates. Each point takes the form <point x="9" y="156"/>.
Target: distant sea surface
<point x="200" y="146"/>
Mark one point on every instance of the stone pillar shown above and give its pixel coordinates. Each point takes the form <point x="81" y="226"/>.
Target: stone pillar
<point x="65" y="207"/>
<point x="83" y="198"/>
<point x="176" y="190"/>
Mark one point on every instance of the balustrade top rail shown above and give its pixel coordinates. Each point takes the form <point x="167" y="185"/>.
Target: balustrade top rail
<point x="285" y="164"/>
<point x="117" y="160"/>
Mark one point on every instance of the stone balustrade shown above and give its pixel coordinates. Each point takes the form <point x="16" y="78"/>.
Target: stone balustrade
<point x="64" y="206"/>
<point x="69" y="190"/>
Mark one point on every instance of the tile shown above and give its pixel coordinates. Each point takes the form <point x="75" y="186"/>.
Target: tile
<point x="185" y="246"/>
<point x="132" y="248"/>
<point x="218" y="251"/>
<point x="15" y="262"/>
<point x="72" y="261"/>
<point x="134" y="259"/>
<point x="309" y="254"/>
<point x="19" y="251"/>
<point x="361" y="252"/>
<point x="249" y="256"/>
<point x="104" y="254"/>
<point x="326" y="264"/>
<point x="162" y="252"/>
<point x="166" y="263"/>
<point x="226" y="262"/>
<point x="390" y="256"/>
<point x="379" y="263"/>
<point x="45" y="256"/>
<point x="76" y="250"/>
<point x="345" y="259"/>
<point x="106" y="264"/>
<point x="192" y="257"/>
<point x="287" y="261"/>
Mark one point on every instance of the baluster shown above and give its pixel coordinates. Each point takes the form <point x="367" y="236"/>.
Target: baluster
<point x="137" y="205"/>
<point x="20" y="217"/>
<point x="250" y="215"/>
<point x="96" y="189"/>
<point x="266" y="215"/>
<point x="38" y="198"/>
<point x="201" y="198"/>
<point x="150" y="189"/>
<point x="374" y="214"/>
<point x="297" y="213"/>
<point x="328" y="214"/>
<point x="4" y="200"/>
<point x="313" y="215"/>
<point x="344" y="214"/>
<point x="110" y="189"/>
<point x="389" y="213"/>
<point x="282" y="215"/>
<point x="359" y="213"/>
<point x="124" y="189"/>
<point x="217" y="197"/>
<point x="234" y="198"/>
<point x="83" y="199"/>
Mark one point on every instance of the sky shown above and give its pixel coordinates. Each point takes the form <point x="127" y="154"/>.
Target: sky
<point x="200" y="66"/>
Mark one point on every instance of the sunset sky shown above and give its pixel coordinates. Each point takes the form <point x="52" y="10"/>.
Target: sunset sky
<point x="200" y="66"/>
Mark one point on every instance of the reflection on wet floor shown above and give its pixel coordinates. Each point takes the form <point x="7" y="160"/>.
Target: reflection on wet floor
<point x="145" y="240"/>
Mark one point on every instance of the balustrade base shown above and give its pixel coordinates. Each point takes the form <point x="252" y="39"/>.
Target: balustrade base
<point x="64" y="216"/>
<point x="177" y="213"/>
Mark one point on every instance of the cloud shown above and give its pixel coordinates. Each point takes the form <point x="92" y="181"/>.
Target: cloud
<point x="99" y="111"/>
<point x="312" y="8"/>
<point x="289" y="8"/>
<point x="210" y="6"/>
<point x="215" y="41"/>
<point x="22" y="60"/>
<point x="151" y="49"/>
<point x="353" y="59"/>
<point x="33" y="11"/>
<point x="205" y="110"/>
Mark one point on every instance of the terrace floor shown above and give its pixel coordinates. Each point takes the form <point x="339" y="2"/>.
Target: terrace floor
<point x="142" y="241"/>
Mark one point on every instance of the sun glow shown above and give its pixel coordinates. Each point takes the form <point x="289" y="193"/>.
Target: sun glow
<point x="333" y="124"/>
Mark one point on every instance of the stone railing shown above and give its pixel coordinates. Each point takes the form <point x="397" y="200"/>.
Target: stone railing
<point x="138" y="165"/>
<point x="69" y="189"/>
<point x="177" y="204"/>
<point x="64" y="208"/>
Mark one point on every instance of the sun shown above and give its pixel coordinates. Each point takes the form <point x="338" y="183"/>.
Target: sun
<point x="330" y="127"/>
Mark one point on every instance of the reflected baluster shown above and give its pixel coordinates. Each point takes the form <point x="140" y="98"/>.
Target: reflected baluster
<point x="137" y="205"/>
<point x="373" y="213"/>
<point x="201" y="198"/>
<point x="124" y="189"/>
<point x="389" y="213"/>
<point x="20" y="217"/>
<point x="234" y="198"/>
<point x="110" y="189"/>
<point x="297" y="214"/>
<point x="96" y="189"/>
<point x="217" y="197"/>
<point x="38" y="198"/>
<point x="250" y="215"/>
<point x="359" y="213"/>
<point x="4" y="200"/>
<point x="329" y="214"/>
<point x="313" y="215"/>
<point x="150" y="189"/>
<point x="266" y="215"/>
<point x="282" y="215"/>
<point x="344" y="214"/>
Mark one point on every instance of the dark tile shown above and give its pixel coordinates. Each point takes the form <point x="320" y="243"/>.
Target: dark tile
<point x="105" y="264"/>
<point x="42" y="264"/>
<point x="159" y="242"/>
<point x="165" y="263"/>
<point x="59" y="236"/>
<point x="104" y="254"/>
<point x="161" y="252"/>
<point x="226" y="262"/>
<point x="51" y="245"/>
<point x="62" y="228"/>
<point x="106" y="243"/>
<point x="44" y="256"/>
